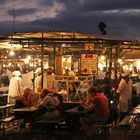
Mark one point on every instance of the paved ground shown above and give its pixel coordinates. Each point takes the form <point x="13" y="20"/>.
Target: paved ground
<point x="115" y="134"/>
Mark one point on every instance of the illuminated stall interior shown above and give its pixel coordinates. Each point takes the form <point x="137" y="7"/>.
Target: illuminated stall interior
<point x="70" y="45"/>
<point x="67" y="51"/>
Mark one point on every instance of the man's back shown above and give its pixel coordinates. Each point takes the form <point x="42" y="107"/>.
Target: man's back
<point x="14" y="87"/>
<point x="101" y="106"/>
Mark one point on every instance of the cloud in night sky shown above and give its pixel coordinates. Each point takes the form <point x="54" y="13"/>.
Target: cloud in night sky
<point x="121" y="16"/>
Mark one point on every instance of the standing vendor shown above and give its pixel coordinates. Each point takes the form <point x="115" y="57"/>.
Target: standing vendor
<point x="124" y="90"/>
<point x="14" y="87"/>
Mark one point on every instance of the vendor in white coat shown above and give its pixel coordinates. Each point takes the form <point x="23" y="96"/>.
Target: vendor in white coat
<point x="14" y="87"/>
<point x="124" y="91"/>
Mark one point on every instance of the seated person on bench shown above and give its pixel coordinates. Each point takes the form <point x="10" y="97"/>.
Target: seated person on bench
<point x="25" y="100"/>
<point x="99" y="105"/>
<point x="53" y="106"/>
<point x="41" y="109"/>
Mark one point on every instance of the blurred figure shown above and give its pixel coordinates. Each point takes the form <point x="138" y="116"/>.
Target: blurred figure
<point x="124" y="90"/>
<point x="82" y="93"/>
<point x="66" y="73"/>
<point x="50" y="71"/>
<point x="52" y="103"/>
<point x="136" y="93"/>
<point x="107" y="76"/>
<point x="4" y="84"/>
<point x="71" y="73"/>
<point x="108" y="89"/>
<point x="137" y="87"/>
<point x="50" y="78"/>
<point x="98" y="110"/>
<point x="25" y="100"/>
<point x="43" y="94"/>
<point x="72" y="91"/>
<point x="41" y="109"/>
<point x="14" y="87"/>
<point x="4" y="79"/>
<point x="37" y="82"/>
<point x="100" y="74"/>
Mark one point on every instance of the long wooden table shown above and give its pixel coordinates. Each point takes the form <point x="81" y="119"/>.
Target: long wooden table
<point x="26" y="113"/>
<point x="69" y="105"/>
<point x="25" y="109"/>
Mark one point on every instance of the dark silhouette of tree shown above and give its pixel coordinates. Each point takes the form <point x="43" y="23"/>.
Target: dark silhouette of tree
<point x="102" y="27"/>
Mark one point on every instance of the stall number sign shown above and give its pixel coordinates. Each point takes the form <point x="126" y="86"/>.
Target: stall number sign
<point x="88" y="63"/>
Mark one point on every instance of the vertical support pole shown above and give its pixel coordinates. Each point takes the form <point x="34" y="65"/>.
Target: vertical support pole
<point x="106" y="62"/>
<point x="42" y="59"/>
<point x="110" y="61"/>
<point x="54" y="57"/>
<point x="116" y="63"/>
<point x="97" y="59"/>
<point x="33" y="72"/>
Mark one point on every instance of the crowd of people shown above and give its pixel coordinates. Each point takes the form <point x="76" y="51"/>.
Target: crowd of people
<point x="98" y="106"/>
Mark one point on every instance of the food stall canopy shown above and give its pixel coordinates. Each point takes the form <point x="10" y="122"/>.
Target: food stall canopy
<point x="76" y="41"/>
<point x="68" y="37"/>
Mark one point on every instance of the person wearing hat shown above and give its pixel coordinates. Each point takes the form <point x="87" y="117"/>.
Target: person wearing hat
<point x="14" y="87"/>
<point x="124" y="90"/>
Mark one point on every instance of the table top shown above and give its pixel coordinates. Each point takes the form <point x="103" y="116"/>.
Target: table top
<point x="75" y="110"/>
<point x="25" y="109"/>
<point x="3" y="95"/>
<point x="6" y="106"/>
<point x="75" y="103"/>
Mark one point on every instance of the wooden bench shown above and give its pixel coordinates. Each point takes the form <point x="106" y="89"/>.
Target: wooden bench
<point x="54" y="120"/>
<point x="46" y="125"/>
<point x="108" y="125"/>
<point x="136" y="111"/>
<point x="128" y="123"/>
<point x="5" y="123"/>
<point x="102" y="127"/>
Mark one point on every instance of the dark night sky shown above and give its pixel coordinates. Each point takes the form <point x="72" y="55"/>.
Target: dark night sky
<point x="122" y="17"/>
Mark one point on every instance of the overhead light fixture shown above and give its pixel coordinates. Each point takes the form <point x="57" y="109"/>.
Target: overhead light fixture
<point x="9" y="64"/>
<point x="12" y="53"/>
<point x="26" y="61"/>
<point x="28" y="57"/>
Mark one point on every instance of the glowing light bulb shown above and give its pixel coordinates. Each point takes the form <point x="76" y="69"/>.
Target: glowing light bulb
<point x="29" y="57"/>
<point x="9" y="64"/>
<point x="26" y="61"/>
<point x="12" y="53"/>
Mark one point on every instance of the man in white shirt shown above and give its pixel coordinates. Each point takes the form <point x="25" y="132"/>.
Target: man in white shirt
<point x="124" y="91"/>
<point x="14" y="87"/>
